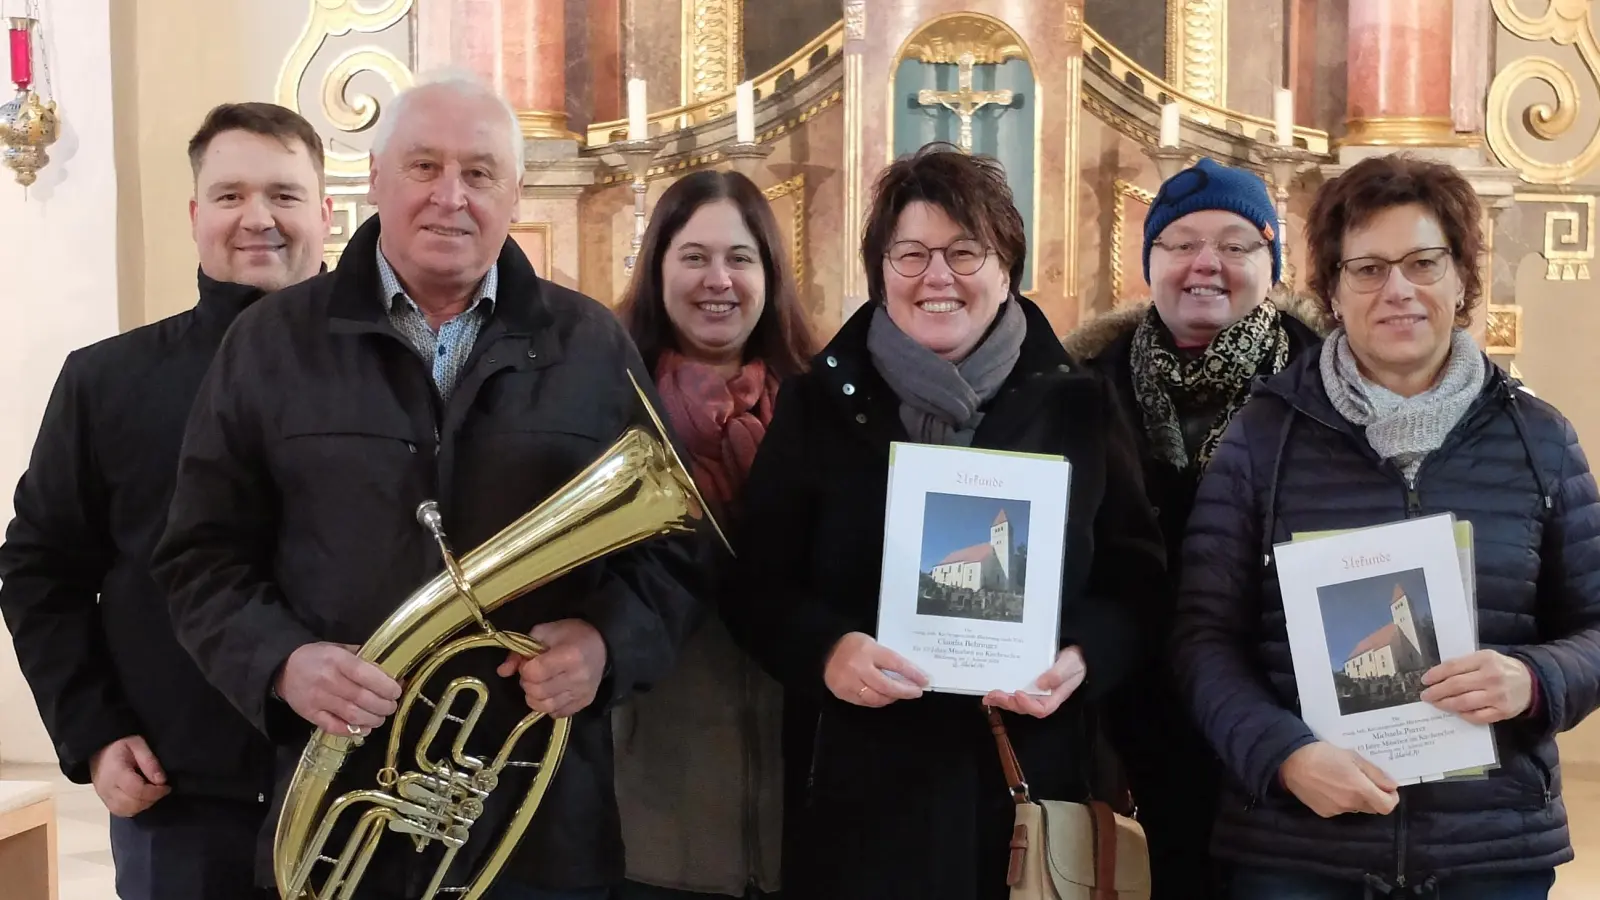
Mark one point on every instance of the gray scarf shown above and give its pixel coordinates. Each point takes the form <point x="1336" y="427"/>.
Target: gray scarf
<point x="939" y="400"/>
<point x="1404" y="429"/>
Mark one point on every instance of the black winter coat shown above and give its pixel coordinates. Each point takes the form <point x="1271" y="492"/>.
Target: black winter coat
<point x="909" y="801"/>
<point x="1174" y="775"/>
<point x="89" y="624"/>
<point x="1290" y="463"/>
<point x="315" y="437"/>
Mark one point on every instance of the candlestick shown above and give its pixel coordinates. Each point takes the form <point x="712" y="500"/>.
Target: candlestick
<point x="638" y="155"/>
<point x="745" y="115"/>
<point x="638" y="121"/>
<point x="21" y="52"/>
<point x="1169" y="125"/>
<point x="1283" y="116"/>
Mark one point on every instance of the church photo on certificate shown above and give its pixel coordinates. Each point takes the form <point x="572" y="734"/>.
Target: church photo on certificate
<point x="1381" y="639"/>
<point x="974" y="557"/>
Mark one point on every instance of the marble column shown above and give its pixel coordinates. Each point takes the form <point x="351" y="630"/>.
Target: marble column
<point x="1472" y="46"/>
<point x="1399" y="73"/>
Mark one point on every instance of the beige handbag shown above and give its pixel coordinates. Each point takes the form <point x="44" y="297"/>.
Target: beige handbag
<point x="1070" y="851"/>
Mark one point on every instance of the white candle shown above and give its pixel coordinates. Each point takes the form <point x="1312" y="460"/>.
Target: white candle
<point x="1169" y="125"/>
<point x="1283" y="116"/>
<point x="745" y="115"/>
<point x="638" y="121"/>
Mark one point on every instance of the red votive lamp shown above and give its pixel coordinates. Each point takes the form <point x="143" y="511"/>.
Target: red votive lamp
<point x="21" y="53"/>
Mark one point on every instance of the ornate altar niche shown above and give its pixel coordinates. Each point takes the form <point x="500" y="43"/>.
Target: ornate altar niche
<point x="966" y="79"/>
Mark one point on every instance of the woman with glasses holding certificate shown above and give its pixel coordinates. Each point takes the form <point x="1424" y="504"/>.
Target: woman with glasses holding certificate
<point x="1183" y="364"/>
<point x="1399" y="415"/>
<point x="907" y="797"/>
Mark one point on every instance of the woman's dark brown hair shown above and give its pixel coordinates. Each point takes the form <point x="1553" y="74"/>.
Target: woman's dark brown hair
<point x="781" y="338"/>
<point x="1378" y="183"/>
<point x="971" y="190"/>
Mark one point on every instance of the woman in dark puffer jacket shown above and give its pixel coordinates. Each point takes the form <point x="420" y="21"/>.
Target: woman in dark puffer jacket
<point x="1398" y="415"/>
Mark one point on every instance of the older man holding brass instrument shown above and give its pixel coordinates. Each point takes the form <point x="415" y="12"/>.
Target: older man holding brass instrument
<point x="433" y="365"/>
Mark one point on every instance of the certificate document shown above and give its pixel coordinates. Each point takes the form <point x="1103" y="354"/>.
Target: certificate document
<point x="1368" y="612"/>
<point x="972" y="556"/>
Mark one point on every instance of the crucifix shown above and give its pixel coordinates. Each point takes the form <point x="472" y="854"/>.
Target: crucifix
<point x="964" y="101"/>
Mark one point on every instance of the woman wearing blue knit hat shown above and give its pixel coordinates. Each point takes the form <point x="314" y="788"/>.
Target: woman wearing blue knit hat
<point x="1183" y="365"/>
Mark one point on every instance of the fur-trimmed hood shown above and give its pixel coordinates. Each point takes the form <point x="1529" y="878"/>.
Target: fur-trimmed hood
<point x="1090" y="339"/>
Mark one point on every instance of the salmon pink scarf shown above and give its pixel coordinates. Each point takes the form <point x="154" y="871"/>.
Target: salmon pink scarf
<point x="720" y="421"/>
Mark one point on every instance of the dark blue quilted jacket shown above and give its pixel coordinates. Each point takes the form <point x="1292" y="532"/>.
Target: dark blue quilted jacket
<point x="1290" y="463"/>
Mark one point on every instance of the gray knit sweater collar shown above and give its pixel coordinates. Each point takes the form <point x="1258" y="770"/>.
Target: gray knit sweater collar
<point x="1404" y="429"/>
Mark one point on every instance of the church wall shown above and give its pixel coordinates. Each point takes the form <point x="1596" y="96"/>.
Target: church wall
<point x="1254" y="73"/>
<point x="174" y="60"/>
<point x="58" y="248"/>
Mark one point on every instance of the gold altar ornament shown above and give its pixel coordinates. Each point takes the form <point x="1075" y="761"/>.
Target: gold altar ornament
<point x="28" y="124"/>
<point x="964" y="101"/>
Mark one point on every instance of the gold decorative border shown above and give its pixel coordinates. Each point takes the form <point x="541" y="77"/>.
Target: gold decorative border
<point x="1158" y="91"/>
<point x="710" y="157"/>
<point x="1564" y="23"/>
<point x="795" y="187"/>
<point x="791" y="70"/>
<point x="1503" y="335"/>
<point x="1567" y="258"/>
<point x="989" y="42"/>
<point x="1121" y="192"/>
<point x="544" y="228"/>
<point x="1197" y="49"/>
<point x="713" y="52"/>
<point x="336" y="18"/>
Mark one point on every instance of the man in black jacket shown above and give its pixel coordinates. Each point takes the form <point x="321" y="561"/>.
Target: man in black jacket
<point x="433" y="364"/>
<point x="183" y="773"/>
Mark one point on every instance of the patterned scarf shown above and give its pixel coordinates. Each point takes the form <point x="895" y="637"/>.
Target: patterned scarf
<point x="941" y="402"/>
<point x="721" y="422"/>
<point x="1164" y="382"/>
<point x="1404" y="429"/>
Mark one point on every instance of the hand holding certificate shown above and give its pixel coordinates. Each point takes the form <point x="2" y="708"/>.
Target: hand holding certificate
<point x="971" y="586"/>
<point x="1483" y="687"/>
<point x="864" y="672"/>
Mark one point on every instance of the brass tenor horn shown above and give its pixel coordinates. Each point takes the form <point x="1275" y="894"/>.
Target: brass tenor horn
<point x="637" y="489"/>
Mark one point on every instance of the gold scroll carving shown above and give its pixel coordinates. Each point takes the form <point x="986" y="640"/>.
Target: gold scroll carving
<point x="1564" y="23"/>
<point x="713" y="51"/>
<point x="348" y="113"/>
<point x="948" y="39"/>
<point x="1197" y="49"/>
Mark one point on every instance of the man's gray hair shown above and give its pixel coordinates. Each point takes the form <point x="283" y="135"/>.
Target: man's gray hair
<point x="458" y="81"/>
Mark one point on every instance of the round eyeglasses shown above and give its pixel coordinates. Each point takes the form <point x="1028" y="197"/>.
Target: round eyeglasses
<point x="911" y="258"/>
<point x="1228" y="250"/>
<point x="1365" y="274"/>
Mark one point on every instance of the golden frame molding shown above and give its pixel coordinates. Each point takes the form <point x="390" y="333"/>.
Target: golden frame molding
<point x="794" y="187"/>
<point x="1563" y="23"/>
<point x="1197" y="50"/>
<point x="348" y="113"/>
<point x="1121" y="192"/>
<point x="544" y="229"/>
<point x="713" y="52"/>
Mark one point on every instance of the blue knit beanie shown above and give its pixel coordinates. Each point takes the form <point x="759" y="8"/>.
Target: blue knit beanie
<point x="1210" y="185"/>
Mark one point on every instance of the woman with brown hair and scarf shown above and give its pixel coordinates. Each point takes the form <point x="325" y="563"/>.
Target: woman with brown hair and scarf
<point x="712" y="308"/>
<point x="1183" y="365"/>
